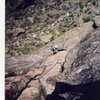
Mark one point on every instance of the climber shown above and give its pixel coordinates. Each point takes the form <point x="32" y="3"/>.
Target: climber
<point x="54" y="48"/>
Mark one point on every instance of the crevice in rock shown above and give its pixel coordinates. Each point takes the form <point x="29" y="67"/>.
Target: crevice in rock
<point x="11" y="95"/>
<point x="31" y="79"/>
<point x="23" y="89"/>
<point x="62" y="66"/>
<point x="38" y="77"/>
<point x="94" y="25"/>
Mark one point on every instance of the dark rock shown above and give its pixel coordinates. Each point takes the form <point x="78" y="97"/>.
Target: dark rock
<point x="10" y="74"/>
<point x="14" y="86"/>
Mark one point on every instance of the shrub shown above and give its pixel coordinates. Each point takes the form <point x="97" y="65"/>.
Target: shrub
<point x="53" y="36"/>
<point x="51" y="81"/>
<point x="87" y="19"/>
<point x="71" y="14"/>
<point x="94" y="2"/>
<point x="81" y="5"/>
<point x="41" y="92"/>
<point x="36" y="96"/>
<point x="75" y="23"/>
<point x="64" y="30"/>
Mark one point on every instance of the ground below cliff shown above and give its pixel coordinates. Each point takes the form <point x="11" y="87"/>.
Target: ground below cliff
<point x="32" y="24"/>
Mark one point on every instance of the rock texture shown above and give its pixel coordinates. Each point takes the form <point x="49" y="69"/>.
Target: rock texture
<point x="14" y="86"/>
<point x="43" y="68"/>
<point x="82" y="80"/>
<point x="32" y="27"/>
<point x="85" y="68"/>
<point x="20" y="64"/>
<point x="31" y="92"/>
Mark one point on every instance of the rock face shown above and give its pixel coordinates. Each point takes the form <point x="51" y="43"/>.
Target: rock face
<point x="36" y="25"/>
<point x="82" y="80"/>
<point x="41" y="70"/>
<point x="85" y="68"/>
<point x="20" y="64"/>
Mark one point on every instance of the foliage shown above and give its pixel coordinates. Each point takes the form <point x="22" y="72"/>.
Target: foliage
<point x="36" y="96"/>
<point x="52" y="80"/>
<point x="53" y="36"/>
<point x="87" y="19"/>
<point x="94" y="2"/>
<point x="41" y="92"/>
<point x="75" y="23"/>
<point x="71" y="14"/>
<point x="81" y="5"/>
<point x="64" y="30"/>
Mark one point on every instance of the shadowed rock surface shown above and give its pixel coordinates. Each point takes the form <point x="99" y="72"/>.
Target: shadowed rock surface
<point x="88" y="91"/>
